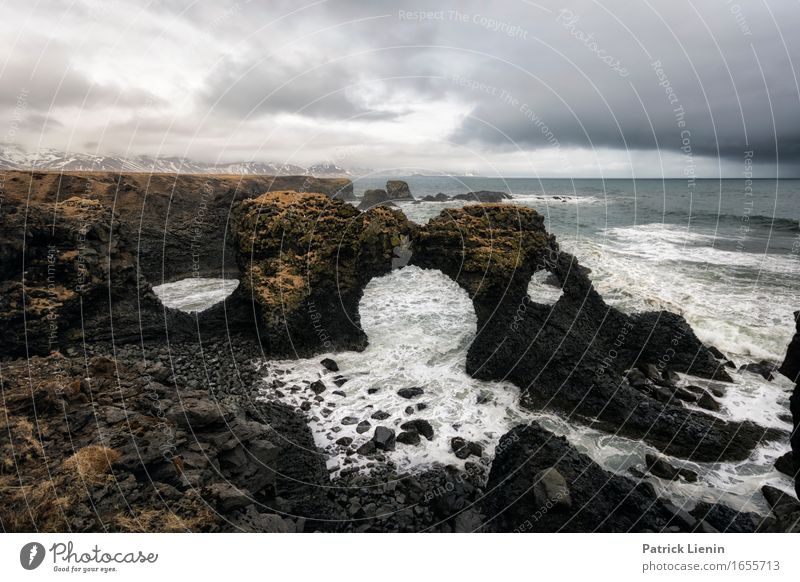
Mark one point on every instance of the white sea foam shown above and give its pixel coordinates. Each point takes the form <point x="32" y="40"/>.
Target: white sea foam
<point x="195" y="293"/>
<point x="740" y="302"/>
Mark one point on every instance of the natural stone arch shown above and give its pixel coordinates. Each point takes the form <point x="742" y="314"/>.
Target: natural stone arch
<point x="305" y="260"/>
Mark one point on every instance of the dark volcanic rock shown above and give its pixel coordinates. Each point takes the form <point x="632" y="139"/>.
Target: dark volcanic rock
<point x="791" y="364"/>
<point x="398" y="190"/>
<point x="598" y="500"/>
<point x="384" y="438"/>
<point x="380" y="415"/>
<point x="785" y="508"/>
<point x="373" y="198"/>
<point x="317" y="386"/>
<point x="412" y="392"/>
<point x="408" y="438"/>
<point x="172" y="458"/>
<point x="661" y="468"/>
<point x="726" y="519"/>
<point x="707" y="401"/>
<point x="785" y="464"/>
<point x="421" y="426"/>
<point x="763" y="368"/>
<point x="486" y="196"/>
<point x="464" y="449"/>
<point x="330" y="364"/>
<point x="791" y="369"/>
<point x="110" y="237"/>
<point x="572" y="356"/>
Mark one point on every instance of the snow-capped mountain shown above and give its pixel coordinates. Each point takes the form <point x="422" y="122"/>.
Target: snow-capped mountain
<point x="13" y="158"/>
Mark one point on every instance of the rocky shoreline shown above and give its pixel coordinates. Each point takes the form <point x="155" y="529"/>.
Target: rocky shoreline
<point x="123" y="415"/>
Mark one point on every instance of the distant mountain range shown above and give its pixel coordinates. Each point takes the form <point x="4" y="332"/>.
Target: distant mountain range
<point x="12" y="158"/>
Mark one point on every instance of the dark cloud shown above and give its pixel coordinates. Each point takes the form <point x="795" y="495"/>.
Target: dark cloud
<point x="716" y="79"/>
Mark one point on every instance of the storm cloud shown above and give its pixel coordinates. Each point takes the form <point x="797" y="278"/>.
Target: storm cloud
<point x="579" y="88"/>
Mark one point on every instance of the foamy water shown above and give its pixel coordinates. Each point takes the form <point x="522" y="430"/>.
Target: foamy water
<point x="740" y="302"/>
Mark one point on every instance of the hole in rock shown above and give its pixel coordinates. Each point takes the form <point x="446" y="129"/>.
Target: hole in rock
<point x="195" y="293"/>
<point x="544" y="288"/>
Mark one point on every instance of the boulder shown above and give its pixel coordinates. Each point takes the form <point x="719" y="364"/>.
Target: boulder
<point x="763" y="368"/>
<point x="384" y="438"/>
<point x="420" y="426"/>
<point x="412" y="392"/>
<point x="398" y="190"/>
<point x="464" y="449"/>
<point x="330" y="365"/>
<point x="408" y="438"/>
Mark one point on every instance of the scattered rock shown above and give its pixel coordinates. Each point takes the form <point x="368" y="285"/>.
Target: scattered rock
<point x="412" y="392"/>
<point x="317" y="386"/>
<point x="408" y="438"/>
<point x="368" y="448"/>
<point x="380" y="415"/>
<point x="464" y="449"/>
<point x="384" y="438"/>
<point x="363" y="427"/>
<point x="345" y="441"/>
<point x="419" y="425"/>
<point x="330" y="365"/>
<point x="348" y="420"/>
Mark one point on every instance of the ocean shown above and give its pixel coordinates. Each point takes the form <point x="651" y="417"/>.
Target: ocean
<point x="723" y="253"/>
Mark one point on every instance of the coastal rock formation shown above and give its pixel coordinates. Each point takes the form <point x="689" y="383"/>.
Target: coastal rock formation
<point x="485" y="196"/>
<point x="374" y="197"/>
<point x="539" y="483"/>
<point x="305" y="260"/>
<point x="575" y="355"/>
<point x="791" y="369"/>
<point x="92" y="245"/>
<point x="398" y="190"/>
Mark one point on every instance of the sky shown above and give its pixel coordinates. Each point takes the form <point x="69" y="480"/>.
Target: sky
<point x="607" y="88"/>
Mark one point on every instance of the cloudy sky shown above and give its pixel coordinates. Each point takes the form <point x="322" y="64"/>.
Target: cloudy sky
<point x="520" y="88"/>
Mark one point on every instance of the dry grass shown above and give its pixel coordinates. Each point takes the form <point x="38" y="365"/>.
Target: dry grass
<point x="159" y="520"/>
<point x="92" y="463"/>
